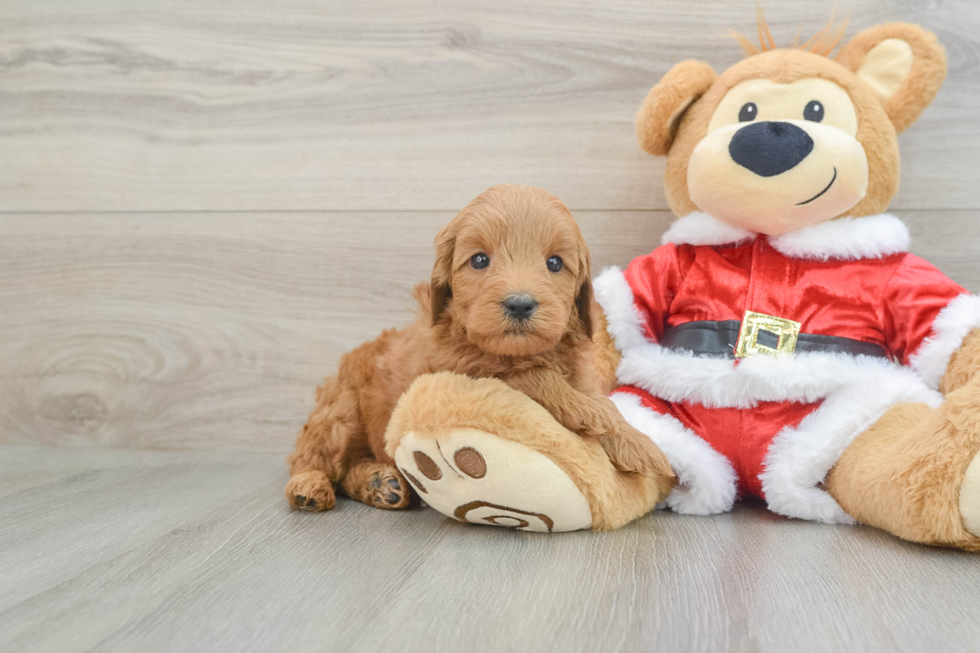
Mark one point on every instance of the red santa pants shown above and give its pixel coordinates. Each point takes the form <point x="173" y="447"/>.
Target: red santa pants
<point x="742" y="435"/>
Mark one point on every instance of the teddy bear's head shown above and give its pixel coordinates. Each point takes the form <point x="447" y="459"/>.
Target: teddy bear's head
<point x="788" y="138"/>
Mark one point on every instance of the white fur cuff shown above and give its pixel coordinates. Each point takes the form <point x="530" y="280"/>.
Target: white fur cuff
<point x="952" y="325"/>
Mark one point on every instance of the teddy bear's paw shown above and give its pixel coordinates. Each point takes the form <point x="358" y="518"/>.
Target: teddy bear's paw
<point x="310" y="491"/>
<point x="970" y="497"/>
<point x="477" y="477"/>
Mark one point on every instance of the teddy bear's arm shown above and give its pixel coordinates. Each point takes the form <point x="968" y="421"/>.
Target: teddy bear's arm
<point x="929" y="322"/>
<point x="963" y="365"/>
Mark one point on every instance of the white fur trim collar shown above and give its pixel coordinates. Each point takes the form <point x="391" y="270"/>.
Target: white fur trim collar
<point x="846" y="239"/>
<point x="843" y="239"/>
<point x="702" y="229"/>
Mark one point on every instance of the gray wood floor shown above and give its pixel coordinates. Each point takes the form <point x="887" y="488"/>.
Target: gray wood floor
<point x="125" y="550"/>
<point x="204" y="204"/>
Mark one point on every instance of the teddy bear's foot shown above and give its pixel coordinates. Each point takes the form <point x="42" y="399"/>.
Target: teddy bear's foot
<point x="479" y="451"/>
<point x="310" y="491"/>
<point x="475" y="476"/>
<point x="378" y="485"/>
<point x="916" y="472"/>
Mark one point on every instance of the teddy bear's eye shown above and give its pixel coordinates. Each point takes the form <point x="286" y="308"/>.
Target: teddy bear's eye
<point x="748" y="112"/>
<point x="813" y="111"/>
<point x="479" y="261"/>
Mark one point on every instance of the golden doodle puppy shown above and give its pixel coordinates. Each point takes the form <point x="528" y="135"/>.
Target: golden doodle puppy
<point x="510" y="297"/>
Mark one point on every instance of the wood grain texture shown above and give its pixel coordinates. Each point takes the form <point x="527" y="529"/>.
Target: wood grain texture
<point x="210" y="331"/>
<point x="393" y="105"/>
<point x="203" y="205"/>
<point x="161" y="551"/>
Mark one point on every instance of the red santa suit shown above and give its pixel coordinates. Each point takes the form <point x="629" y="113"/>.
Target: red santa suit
<point x="774" y="426"/>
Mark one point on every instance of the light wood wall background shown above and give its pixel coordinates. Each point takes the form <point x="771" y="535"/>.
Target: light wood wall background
<point x="205" y="203"/>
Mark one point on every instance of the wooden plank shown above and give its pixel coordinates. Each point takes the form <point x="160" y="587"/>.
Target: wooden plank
<point x="393" y="105"/>
<point x="210" y="331"/>
<point x="241" y="572"/>
<point x="108" y="502"/>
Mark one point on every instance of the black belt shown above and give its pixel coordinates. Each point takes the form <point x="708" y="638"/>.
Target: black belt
<point x="720" y="338"/>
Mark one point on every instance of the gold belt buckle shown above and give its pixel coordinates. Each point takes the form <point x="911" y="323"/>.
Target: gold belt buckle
<point x="778" y="335"/>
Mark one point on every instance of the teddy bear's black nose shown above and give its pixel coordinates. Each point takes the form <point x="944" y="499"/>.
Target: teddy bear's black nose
<point x="770" y="148"/>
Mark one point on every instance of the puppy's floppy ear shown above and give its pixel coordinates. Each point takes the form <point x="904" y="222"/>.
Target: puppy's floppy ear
<point x="584" y="302"/>
<point x="442" y="270"/>
<point x="658" y="118"/>
<point x="903" y="64"/>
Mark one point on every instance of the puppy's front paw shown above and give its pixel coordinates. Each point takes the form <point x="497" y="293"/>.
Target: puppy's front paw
<point x="592" y="423"/>
<point x="310" y="491"/>
<point x="633" y="452"/>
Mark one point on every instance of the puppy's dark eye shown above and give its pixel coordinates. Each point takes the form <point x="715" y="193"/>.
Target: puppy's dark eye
<point x="479" y="261"/>
<point x="555" y="264"/>
<point x="813" y="111"/>
<point x="748" y="112"/>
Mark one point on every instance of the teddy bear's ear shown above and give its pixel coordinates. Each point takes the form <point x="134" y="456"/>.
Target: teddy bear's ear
<point x="658" y="118"/>
<point x="903" y="64"/>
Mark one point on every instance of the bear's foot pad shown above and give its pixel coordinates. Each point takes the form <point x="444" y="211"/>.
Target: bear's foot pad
<point x="477" y="477"/>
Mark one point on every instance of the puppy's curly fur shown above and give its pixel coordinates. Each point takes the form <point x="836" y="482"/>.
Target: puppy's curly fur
<point x="464" y="327"/>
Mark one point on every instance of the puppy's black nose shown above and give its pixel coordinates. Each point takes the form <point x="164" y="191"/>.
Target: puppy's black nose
<point x="519" y="306"/>
<point x="770" y="148"/>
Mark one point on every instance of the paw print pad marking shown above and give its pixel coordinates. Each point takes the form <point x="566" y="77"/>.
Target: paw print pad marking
<point x="427" y="466"/>
<point x="503" y="520"/>
<point x="470" y="462"/>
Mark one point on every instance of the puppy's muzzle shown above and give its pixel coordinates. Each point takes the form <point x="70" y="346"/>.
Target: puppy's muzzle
<point x="519" y="306"/>
<point x="770" y="148"/>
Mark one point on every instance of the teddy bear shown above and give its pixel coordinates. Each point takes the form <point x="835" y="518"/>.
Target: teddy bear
<point x="781" y="342"/>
